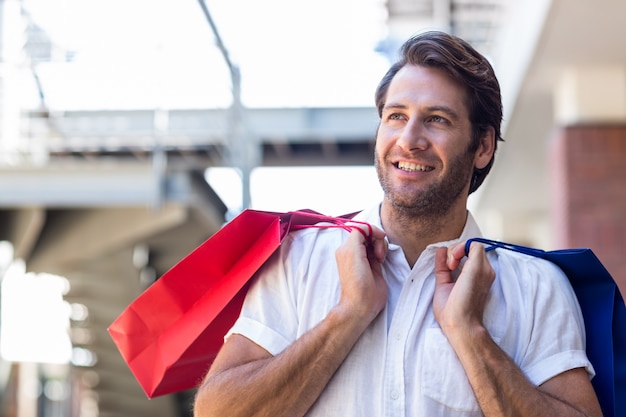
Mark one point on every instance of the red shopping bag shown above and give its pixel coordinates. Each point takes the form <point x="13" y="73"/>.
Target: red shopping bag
<point x="172" y="332"/>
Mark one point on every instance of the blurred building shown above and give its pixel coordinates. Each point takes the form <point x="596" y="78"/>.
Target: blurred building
<point x="111" y="199"/>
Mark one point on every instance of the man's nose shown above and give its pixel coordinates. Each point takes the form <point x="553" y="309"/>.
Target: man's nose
<point x="413" y="136"/>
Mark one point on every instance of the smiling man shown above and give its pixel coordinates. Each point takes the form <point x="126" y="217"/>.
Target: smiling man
<point x="403" y="324"/>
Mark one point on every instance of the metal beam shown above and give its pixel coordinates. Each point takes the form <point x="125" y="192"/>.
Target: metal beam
<point x="112" y="130"/>
<point x="88" y="185"/>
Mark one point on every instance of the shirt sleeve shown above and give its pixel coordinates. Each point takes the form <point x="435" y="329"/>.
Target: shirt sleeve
<point x="268" y="314"/>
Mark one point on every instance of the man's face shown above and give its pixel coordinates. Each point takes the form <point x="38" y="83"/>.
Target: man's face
<point x="422" y="156"/>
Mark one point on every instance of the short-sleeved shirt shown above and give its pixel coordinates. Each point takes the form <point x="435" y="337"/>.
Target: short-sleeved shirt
<point x="403" y="365"/>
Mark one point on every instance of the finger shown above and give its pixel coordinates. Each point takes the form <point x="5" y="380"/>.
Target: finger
<point x="442" y="271"/>
<point x="369" y="232"/>
<point x="481" y="250"/>
<point x="379" y="249"/>
<point x="455" y="254"/>
<point x="372" y="237"/>
<point x="365" y="230"/>
<point x="479" y="263"/>
<point x="476" y="249"/>
<point x="358" y="237"/>
<point x="380" y="245"/>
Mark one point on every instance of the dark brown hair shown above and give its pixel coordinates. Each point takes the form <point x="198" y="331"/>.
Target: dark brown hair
<point x="464" y="64"/>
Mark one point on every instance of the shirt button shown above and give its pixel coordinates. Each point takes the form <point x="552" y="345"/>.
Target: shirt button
<point x="398" y="335"/>
<point x="394" y="394"/>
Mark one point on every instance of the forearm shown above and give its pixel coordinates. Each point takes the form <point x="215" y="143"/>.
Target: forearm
<point x="499" y="385"/>
<point x="287" y="384"/>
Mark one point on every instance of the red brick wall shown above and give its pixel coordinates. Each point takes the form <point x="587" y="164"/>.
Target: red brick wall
<point x="588" y="169"/>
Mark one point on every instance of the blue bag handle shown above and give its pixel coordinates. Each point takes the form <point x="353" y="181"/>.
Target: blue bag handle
<point x="539" y="253"/>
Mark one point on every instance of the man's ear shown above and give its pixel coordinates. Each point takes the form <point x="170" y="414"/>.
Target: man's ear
<point x="486" y="148"/>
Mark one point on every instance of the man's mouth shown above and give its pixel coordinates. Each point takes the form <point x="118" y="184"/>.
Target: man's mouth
<point x="411" y="167"/>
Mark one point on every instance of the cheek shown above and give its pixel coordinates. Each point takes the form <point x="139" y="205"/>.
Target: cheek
<point x="384" y="140"/>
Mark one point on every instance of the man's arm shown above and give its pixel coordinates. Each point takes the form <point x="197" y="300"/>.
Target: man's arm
<point x="498" y="383"/>
<point x="246" y="380"/>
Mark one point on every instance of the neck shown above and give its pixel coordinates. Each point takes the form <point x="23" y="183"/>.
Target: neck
<point x="415" y="231"/>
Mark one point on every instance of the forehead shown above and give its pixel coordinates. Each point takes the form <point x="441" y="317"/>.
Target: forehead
<point x="419" y="85"/>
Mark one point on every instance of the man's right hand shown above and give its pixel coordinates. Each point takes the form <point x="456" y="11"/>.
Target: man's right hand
<point x="363" y="288"/>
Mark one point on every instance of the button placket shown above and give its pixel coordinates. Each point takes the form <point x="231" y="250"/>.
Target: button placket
<point x="396" y="345"/>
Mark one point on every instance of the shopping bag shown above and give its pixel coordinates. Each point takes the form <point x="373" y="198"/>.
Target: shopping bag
<point x="604" y="313"/>
<point x="172" y="332"/>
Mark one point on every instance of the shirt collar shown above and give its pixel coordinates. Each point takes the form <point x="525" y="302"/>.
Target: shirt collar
<point x="471" y="229"/>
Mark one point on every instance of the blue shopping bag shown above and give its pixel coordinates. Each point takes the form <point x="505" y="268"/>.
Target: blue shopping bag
<point x="604" y="312"/>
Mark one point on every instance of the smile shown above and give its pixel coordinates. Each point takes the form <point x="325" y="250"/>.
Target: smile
<point x="411" y="167"/>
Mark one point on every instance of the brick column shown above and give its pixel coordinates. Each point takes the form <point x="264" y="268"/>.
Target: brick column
<point x="588" y="169"/>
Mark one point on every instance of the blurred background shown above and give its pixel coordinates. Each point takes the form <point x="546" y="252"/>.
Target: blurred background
<point x="131" y="131"/>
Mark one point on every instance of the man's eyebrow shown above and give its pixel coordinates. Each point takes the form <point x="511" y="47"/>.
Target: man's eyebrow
<point x="453" y="114"/>
<point x="445" y="109"/>
<point x="394" y="106"/>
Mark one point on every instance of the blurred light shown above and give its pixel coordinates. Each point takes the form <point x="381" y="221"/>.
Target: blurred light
<point x="89" y="404"/>
<point x="6" y="255"/>
<point x="79" y="312"/>
<point x="35" y="319"/>
<point x="90" y="379"/>
<point x="141" y="256"/>
<point x="83" y="357"/>
<point x="55" y="390"/>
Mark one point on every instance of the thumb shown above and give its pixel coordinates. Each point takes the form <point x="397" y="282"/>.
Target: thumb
<point x="443" y="273"/>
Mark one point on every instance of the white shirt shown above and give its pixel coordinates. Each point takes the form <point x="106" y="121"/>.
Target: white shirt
<point x="403" y="365"/>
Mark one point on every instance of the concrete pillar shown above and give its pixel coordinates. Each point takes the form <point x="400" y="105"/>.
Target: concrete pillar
<point x="591" y="95"/>
<point x="588" y="168"/>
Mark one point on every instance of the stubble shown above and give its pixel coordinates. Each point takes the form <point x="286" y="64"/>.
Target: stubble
<point x="429" y="204"/>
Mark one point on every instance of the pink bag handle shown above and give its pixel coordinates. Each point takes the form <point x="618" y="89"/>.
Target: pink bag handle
<point x="342" y="222"/>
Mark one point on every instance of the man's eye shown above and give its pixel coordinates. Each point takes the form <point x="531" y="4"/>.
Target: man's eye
<point x="438" y="119"/>
<point x="395" y="116"/>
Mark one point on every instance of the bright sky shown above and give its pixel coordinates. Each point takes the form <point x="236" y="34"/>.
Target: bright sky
<point x="143" y="53"/>
<point x="328" y="190"/>
<point x="161" y="53"/>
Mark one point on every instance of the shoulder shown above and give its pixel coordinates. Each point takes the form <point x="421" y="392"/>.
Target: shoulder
<point x="536" y="278"/>
<point x="526" y="265"/>
<point x="303" y="252"/>
<point x="313" y="239"/>
<point x="324" y="237"/>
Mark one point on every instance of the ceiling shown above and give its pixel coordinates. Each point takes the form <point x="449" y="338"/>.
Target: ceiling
<point x="538" y="42"/>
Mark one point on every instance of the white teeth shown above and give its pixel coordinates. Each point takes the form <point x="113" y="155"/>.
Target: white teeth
<point x="408" y="166"/>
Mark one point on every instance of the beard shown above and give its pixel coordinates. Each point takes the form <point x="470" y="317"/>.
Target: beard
<point x="435" y="199"/>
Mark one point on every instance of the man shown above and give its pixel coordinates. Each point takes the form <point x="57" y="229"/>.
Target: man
<point x="402" y="324"/>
